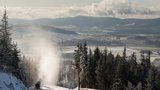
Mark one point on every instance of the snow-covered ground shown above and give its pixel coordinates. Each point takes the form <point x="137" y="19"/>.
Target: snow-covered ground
<point x="10" y="82"/>
<point x="58" y="88"/>
<point x="50" y="88"/>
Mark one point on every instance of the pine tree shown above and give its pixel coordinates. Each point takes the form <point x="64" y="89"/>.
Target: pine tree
<point x="124" y="53"/>
<point x="109" y="68"/>
<point x="96" y="58"/>
<point x="104" y="71"/>
<point x="6" y="46"/>
<point x="133" y="70"/>
<point x="9" y="54"/>
<point x="16" y="60"/>
<point x="83" y="65"/>
<point x="121" y="71"/>
<point x="158" y="80"/>
<point x="152" y="78"/>
<point x="100" y="74"/>
<point x="90" y="71"/>
<point x="144" y="72"/>
<point x="77" y="58"/>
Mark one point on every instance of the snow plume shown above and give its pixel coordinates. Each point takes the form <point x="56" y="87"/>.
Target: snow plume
<point x="39" y="44"/>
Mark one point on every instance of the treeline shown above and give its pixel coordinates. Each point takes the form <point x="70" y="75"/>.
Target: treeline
<point x="100" y="69"/>
<point x="10" y="58"/>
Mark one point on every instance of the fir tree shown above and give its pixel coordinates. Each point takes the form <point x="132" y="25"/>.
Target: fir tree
<point x="152" y="78"/>
<point x="109" y="68"/>
<point x="83" y="65"/>
<point x="77" y="58"/>
<point x="133" y="70"/>
<point x="100" y="74"/>
<point x="104" y="71"/>
<point x="96" y="58"/>
<point x="144" y="72"/>
<point x="90" y="71"/>
<point x="9" y="54"/>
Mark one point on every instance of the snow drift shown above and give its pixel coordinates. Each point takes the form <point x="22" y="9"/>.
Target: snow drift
<point x="10" y="82"/>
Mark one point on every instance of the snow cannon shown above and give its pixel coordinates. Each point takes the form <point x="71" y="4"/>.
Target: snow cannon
<point x="38" y="85"/>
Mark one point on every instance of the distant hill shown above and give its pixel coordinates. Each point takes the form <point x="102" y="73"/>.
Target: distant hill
<point x="26" y="26"/>
<point x="130" y="26"/>
<point x="124" y="26"/>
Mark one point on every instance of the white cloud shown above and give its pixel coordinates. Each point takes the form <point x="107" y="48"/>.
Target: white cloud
<point x="122" y="8"/>
<point x="113" y="8"/>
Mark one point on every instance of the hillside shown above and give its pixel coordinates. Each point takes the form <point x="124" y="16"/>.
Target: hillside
<point x="81" y="23"/>
<point x="10" y="82"/>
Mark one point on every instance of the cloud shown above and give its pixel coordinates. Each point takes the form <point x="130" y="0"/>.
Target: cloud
<point x="120" y="8"/>
<point x="111" y="8"/>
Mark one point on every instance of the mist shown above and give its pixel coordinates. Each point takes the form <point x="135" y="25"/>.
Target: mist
<point x="39" y="45"/>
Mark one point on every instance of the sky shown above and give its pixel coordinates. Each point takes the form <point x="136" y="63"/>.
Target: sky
<point x="46" y="3"/>
<point x="33" y="9"/>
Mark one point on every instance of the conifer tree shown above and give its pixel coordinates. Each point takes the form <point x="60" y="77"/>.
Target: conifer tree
<point x="133" y="70"/>
<point x="109" y="68"/>
<point x="152" y="78"/>
<point x="100" y="73"/>
<point x="83" y="65"/>
<point x="104" y="71"/>
<point x="9" y="54"/>
<point x="6" y="46"/>
<point x="77" y="58"/>
<point x="144" y="72"/>
<point x="90" y="70"/>
<point x="96" y="58"/>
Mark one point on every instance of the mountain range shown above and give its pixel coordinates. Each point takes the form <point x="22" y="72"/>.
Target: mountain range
<point x="121" y="26"/>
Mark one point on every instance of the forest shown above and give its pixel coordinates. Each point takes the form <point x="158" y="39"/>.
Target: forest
<point x="100" y="69"/>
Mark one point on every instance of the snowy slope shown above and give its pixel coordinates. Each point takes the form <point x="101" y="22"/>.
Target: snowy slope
<point x="10" y="82"/>
<point x="58" y="88"/>
<point x="49" y="88"/>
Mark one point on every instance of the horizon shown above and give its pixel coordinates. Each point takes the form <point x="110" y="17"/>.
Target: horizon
<point x="84" y="16"/>
<point x="96" y="8"/>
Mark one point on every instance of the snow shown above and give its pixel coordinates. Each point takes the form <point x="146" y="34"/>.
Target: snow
<point x="58" y="88"/>
<point x="10" y="82"/>
<point x="50" y="88"/>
